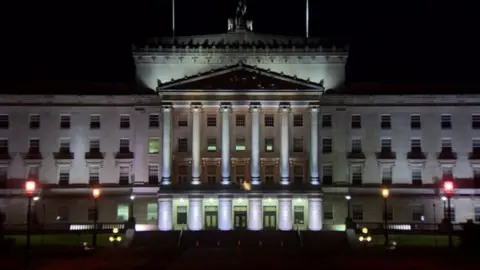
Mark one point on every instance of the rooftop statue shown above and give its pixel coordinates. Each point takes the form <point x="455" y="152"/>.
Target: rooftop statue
<point x="240" y="14"/>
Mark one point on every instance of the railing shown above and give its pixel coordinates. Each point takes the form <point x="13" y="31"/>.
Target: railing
<point x="405" y="227"/>
<point x="300" y="237"/>
<point x="63" y="227"/>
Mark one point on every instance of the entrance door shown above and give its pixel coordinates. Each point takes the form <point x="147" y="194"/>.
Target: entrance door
<point x="211" y="217"/>
<point x="240" y="217"/>
<point x="269" y="217"/>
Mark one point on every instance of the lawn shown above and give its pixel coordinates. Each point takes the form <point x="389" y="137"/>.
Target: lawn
<point x="70" y="239"/>
<point x="416" y="240"/>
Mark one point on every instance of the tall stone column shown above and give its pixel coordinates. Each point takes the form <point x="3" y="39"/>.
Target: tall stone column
<point x="285" y="145"/>
<point x="167" y="144"/>
<point x="196" y="143"/>
<point x="225" y="213"/>
<point x="165" y="215"/>
<point x="315" y="213"/>
<point x="255" y="217"/>
<point x="255" y="144"/>
<point x="225" y="110"/>
<point x="285" y="222"/>
<point x="313" y="160"/>
<point x="195" y="213"/>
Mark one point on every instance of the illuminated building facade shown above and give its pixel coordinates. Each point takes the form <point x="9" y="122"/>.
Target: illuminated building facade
<point x="245" y="131"/>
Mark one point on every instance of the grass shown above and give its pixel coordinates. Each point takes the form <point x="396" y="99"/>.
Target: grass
<point x="70" y="239"/>
<point x="416" y="240"/>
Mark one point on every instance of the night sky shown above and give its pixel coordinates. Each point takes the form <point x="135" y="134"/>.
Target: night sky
<point x="390" y="40"/>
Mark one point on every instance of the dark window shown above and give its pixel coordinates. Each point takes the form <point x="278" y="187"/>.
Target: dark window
<point x="94" y="121"/>
<point x="446" y="121"/>
<point x="298" y="120"/>
<point x="385" y="121"/>
<point x="34" y="121"/>
<point x="153" y="121"/>
<point x="298" y="215"/>
<point x="181" y="215"/>
<point x="64" y="121"/>
<point x="356" y="121"/>
<point x="415" y="122"/>
<point x="326" y="120"/>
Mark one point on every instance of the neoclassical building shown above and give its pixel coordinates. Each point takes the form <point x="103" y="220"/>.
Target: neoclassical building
<point x="241" y="131"/>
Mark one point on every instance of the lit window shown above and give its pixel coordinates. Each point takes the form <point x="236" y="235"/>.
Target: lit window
<point x="211" y="144"/>
<point x="122" y="212"/>
<point x="153" y="146"/>
<point x="269" y="147"/>
<point x="240" y="144"/>
<point x="152" y="211"/>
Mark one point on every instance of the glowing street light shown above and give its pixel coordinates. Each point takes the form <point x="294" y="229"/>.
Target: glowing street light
<point x="348" y="198"/>
<point x="385" y="194"/>
<point x="448" y="188"/>
<point x="30" y="189"/>
<point x="96" y="192"/>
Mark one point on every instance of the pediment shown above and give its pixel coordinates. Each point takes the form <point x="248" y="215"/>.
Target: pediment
<point x="240" y="77"/>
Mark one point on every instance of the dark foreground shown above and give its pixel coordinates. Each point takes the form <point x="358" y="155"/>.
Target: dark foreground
<point x="235" y="258"/>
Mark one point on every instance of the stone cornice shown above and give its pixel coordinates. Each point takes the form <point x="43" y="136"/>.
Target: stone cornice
<point x="399" y="100"/>
<point x="75" y="100"/>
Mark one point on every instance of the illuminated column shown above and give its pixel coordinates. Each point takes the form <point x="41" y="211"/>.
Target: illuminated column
<point x="285" y="222"/>
<point x="165" y="215"/>
<point x="195" y="213"/>
<point x="285" y="145"/>
<point x="255" y="158"/>
<point x="225" y="112"/>
<point x="315" y="212"/>
<point x="314" y="145"/>
<point x="225" y="213"/>
<point x="255" y="214"/>
<point x="167" y="144"/>
<point x="196" y="143"/>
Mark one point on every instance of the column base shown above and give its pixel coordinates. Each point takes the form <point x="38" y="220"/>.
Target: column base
<point x="225" y="180"/>
<point x="285" y="181"/>
<point x="166" y="181"/>
<point x="314" y="181"/>
<point x="195" y="180"/>
<point x="255" y="180"/>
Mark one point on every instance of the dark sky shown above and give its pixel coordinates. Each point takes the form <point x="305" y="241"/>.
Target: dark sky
<point x="390" y="40"/>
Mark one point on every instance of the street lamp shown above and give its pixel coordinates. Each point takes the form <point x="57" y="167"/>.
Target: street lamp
<point x="96" y="192"/>
<point x="30" y="188"/>
<point x="131" y="218"/>
<point x="385" y="194"/>
<point x="348" y="220"/>
<point x="444" y="200"/>
<point x="448" y="188"/>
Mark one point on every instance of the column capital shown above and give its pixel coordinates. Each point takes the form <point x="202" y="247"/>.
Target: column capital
<point x="196" y="107"/>
<point x="167" y="107"/>
<point x="255" y="107"/>
<point x="226" y="107"/>
<point x="314" y="107"/>
<point x="284" y="108"/>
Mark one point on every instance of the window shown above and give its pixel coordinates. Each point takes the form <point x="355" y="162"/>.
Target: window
<point x="62" y="213"/>
<point x="385" y="121"/>
<point x="476" y="121"/>
<point x="356" y="146"/>
<point x="357" y="212"/>
<point x="3" y="174"/>
<point x="269" y="120"/>
<point x="477" y="213"/>
<point x="415" y="122"/>
<point x="356" y="121"/>
<point x="94" y="146"/>
<point x="446" y="145"/>
<point x="33" y="172"/>
<point x="476" y="173"/>
<point x="298" y="214"/>
<point x="269" y="174"/>
<point x="124" y="175"/>
<point x="211" y="120"/>
<point x="240" y="120"/>
<point x="446" y="121"/>
<point x="476" y="145"/>
<point x="239" y="174"/>
<point x="269" y="146"/>
<point x="122" y="212"/>
<point x="182" y="145"/>
<point x="183" y="121"/>
<point x="298" y="120"/>
<point x="240" y="144"/>
<point x="386" y="145"/>
<point x="124" y="121"/>
<point x="357" y="174"/>
<point x="4" y="146"/>
<point x="34" y="121"/>
<point x="153" y="145"/>
<point x="152" y="211"/>
<point x="181" y="215"/>
<point x="447" y="172"/>
<point x="153" y="120"/>
<point x="94" y="174"/>
<point x="153" y="171"/>
<point x="298" y="174"/>
<point x="416" y="175"/>
<point x="182" y="174"/>
<point x="417" y="213"/>
<point x="4" y="122"/>
<point x="415" y="145"/>
<point x="326" y="145"/>
<point x="65" y="121"/>
<point x="328" y="211"/>
<point x="212" y="144"/>
<point x="94" y="121"/>
<point x="327" y="174"/>
<point x="124" y="145"/>
<point x="64" y="175"/>
<point x="34" y="146"/>
<point x="326" y="120"/>
<point x="297" y="145"/>
<point x="64" y="145"/>
<point x="387" y="175"/>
